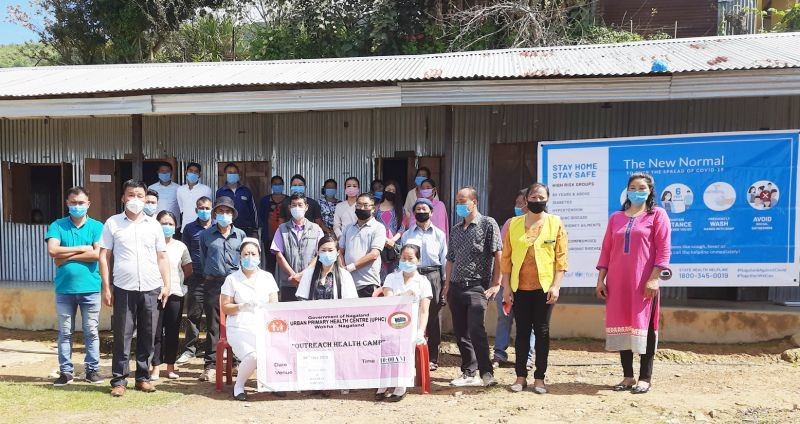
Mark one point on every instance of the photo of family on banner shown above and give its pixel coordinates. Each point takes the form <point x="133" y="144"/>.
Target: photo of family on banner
<point x="337" y="344"/>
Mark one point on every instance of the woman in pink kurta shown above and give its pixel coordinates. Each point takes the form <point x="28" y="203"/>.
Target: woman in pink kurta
<point x="636" y="248"/>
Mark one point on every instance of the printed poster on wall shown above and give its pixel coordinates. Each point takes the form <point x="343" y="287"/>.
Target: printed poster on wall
<point x="731" y="199"/>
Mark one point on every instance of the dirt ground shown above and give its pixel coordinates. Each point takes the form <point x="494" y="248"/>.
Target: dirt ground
<point x="691" y="383"/>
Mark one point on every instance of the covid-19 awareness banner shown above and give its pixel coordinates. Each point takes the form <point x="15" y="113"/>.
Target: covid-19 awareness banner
<point x="337" y="344"/>
<point x="731" y="199"/>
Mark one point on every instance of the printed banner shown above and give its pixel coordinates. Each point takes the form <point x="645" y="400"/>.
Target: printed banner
<point x="731" y="199"/>
<point x="337" y="344"/>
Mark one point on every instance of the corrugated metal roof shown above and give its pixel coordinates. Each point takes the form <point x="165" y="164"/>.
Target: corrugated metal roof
<point x="763" y="51"/>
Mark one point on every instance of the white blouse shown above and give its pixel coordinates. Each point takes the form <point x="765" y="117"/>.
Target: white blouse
<point x="242" y="289"/>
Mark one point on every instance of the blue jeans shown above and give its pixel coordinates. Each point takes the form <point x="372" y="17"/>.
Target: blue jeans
<point x="502" y="333"/>
<point x="66" y="307"/>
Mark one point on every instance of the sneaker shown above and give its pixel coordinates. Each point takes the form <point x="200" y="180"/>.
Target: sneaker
<point x="184" y="358"/>
<point x="488" y="379"/>
<point x="208" y="374"/>
<point x="467" y="380"/>
<point x="94" y="377"/>
<point x="529" y="365"/>
<point x="63" y="379"/>
<point x="433" y="366"/>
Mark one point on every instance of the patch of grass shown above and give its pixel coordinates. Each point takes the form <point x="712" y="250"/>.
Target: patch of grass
<point x="24" y="402"/>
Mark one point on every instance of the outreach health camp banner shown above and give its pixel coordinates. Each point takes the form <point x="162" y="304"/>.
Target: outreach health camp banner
<point x="337" y="344"/>
<point x="731" y="198"/>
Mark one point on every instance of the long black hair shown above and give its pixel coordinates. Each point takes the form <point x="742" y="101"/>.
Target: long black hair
<point x="651" y="199"/>
<point x="337" y="276"/>
<point x="398" y="203"/>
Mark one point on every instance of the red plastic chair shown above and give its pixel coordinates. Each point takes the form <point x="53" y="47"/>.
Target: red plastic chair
<point x="423" y="378"/>
<point x="222" y="346"/>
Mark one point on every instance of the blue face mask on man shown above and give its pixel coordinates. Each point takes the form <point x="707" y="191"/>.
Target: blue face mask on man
<point x="462" y="210"/>
<point x="297" y="189"/>
<point x="638" y="197"/>
<point x="224" y="219"/>
<point x="330" y="192"/>
<point x="378" y="195"/>
<point x="192" y="178"/>
<point x="419" y="180"/>
<point x="517" y="211"/>
<point x="232" y="178"/>
<point x="204" y="214"/>
<point x="164" y="176"/>
<point x="277" y="189"/>
<point x="77" y="211"/>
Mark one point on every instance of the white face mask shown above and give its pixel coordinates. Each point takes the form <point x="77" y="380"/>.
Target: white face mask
<point x="297" y="213"/>
<point x="134" y="206"/>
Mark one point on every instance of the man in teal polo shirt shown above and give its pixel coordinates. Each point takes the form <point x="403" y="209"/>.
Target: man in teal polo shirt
<point x="72" y="242"/>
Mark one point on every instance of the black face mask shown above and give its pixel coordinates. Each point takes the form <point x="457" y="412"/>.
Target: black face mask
<point x="362" y="214"/>
<point x="536" y="207"/>
<point x="389" y="195"/>
<point x="422" y="216"/>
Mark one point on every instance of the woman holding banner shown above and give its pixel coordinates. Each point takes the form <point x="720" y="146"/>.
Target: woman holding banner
<point x="533" y="263"/>
<point x="635" y="252"/>
<point x="408" y="282"/>
<point x="328" y="280"/>
<point x="243" y="291"/>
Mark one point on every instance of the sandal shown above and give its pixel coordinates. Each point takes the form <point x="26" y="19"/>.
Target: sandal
<point x="639" y="390"/>
<point x="517" y="387"/>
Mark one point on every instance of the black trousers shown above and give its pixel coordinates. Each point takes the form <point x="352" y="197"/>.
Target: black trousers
<point x="133" y="311"/>
<point x="195" y="304"/>
<point x="433" y="328"/>
<point x="365" y="291"/>
<point x="211" y="308"/>
<point x="646" y="360"/>
<point x="468" y="307"/>
<point x="165" y="345"/>
<point x="532" y="312"/>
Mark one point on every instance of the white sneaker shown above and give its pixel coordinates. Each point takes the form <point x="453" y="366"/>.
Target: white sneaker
<point x="466" y="380"/>
<point x="184" y="358"/>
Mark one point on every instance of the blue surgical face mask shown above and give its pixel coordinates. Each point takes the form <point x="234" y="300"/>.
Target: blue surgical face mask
<point x="378" y="195"/>
<point x="638" y="197"/>
<point x="232" y="178"/>
<point x="407" y="266"/>
<point x="298" y="189"/>
<point x="165" y="176"/>
<point x="204" y="214"/>
<point x="418" y="180"/>
<point x="192" y="178"/>
<point x="517" y="211"/>
<point x="330" y="192"/>
<point x="77" y="211"/>
<point x="277" y="189"/>
<point x="150" y="209"/>
<point x="169" y="230"/>
<point x="328" y="258"/>
<point x="224" y="219"/>
<point x="462" y="210"/>
<point x="250" y="263"/>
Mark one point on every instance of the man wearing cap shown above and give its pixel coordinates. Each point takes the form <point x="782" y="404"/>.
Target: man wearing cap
<point x="433" y="250"/>
<point x="219" y="256"/>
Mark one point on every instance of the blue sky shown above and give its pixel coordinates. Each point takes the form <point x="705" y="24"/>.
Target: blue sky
<point x="11" y="33"/>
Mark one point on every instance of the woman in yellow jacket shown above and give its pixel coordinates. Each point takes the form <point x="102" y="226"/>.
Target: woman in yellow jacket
<point x="533" y="263"/>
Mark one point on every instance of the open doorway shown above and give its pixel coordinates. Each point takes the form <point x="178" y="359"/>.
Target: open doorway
<point x="397" y="170"/>
<point x="33" y="193"/>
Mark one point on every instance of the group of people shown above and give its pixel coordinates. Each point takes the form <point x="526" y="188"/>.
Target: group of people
<point x="173" y="245"/>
